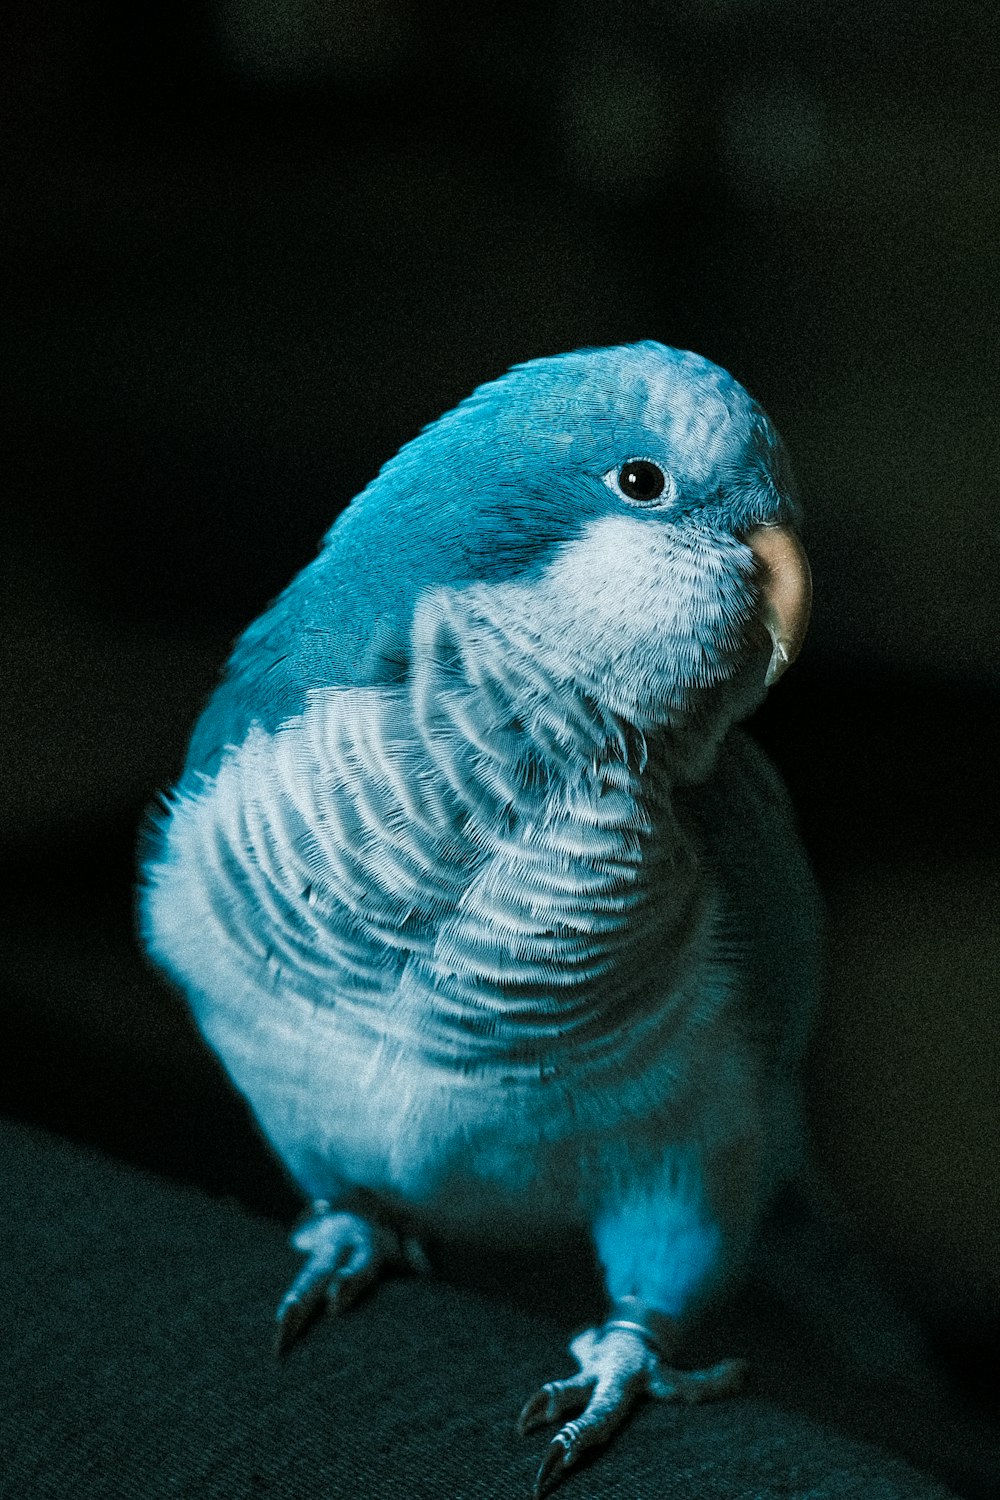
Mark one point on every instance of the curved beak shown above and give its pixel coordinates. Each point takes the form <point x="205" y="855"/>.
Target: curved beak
<point x="785" y="584"/>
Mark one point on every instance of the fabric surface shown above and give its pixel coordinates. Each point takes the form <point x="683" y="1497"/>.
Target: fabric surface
<point x="137" y="1322"/>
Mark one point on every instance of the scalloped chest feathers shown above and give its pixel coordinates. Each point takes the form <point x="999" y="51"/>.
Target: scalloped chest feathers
<point x="381" y="955"/>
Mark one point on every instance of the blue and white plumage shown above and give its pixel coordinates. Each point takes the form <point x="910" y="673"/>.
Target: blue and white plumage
<point x="490" y="913"/>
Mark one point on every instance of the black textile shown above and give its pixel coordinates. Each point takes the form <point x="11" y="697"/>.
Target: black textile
<point x="136" y="1363"/>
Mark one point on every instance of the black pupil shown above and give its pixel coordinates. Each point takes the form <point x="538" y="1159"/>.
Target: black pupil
<point x="641" y="480"/>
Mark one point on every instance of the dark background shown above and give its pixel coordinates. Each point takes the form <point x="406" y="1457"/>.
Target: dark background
<point x="250" y="248"/>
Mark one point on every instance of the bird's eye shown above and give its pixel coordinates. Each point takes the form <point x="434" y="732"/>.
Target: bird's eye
<point x="641" y="480"/>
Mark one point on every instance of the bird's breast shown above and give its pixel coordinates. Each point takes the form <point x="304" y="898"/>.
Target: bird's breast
<point x="475" y="912"/>
<point x="417" y="970"/>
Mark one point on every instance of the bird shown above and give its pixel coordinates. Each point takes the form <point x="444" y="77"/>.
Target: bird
<point x="489" y="907"/>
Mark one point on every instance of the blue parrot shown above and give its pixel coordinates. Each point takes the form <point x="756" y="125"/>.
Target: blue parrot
<point x="499" y="924"/>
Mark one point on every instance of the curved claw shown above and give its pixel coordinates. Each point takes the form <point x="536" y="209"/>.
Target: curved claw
<point x="316" y="1287"/>
<point x="295" y="1312"/>
<point x="604" y="1413"/>
<point x="554" y="1400"/>
<point x="606" y="1410"/>
<point x="606" y="1388"/>
<point x="553" y="1466"/>
<point x="346" y="1253"/>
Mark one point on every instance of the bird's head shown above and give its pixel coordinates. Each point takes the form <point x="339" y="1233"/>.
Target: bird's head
<point x="636" y="500"/>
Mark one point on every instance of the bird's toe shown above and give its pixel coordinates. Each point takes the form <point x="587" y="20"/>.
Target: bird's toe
<point x="607" y="1407"/>
<point x="346" y="1254"/>
<point x="691" y="1386"/>
<point x="555" y="1399"/>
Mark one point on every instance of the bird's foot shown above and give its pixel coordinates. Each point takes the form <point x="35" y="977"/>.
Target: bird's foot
<point x="346" y="1255"/>
<point x="619" y="1362"/>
